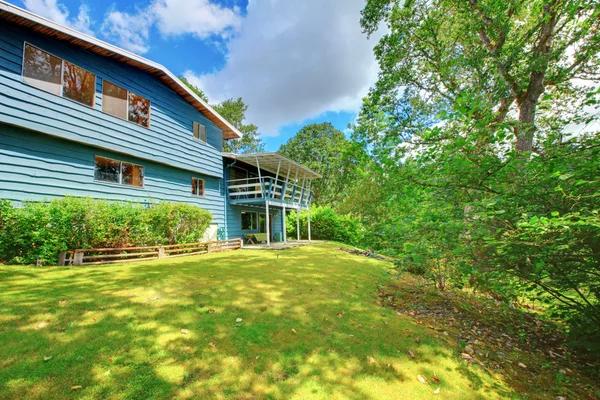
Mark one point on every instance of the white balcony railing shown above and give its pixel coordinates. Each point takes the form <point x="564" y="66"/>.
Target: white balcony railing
<point x="252" y="190"/>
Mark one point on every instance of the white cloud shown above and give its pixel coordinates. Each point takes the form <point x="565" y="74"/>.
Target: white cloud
<point x="293" y="60"/>
<point x="129" y="31"/>
<point x="200" y="18"/>
<point x="58" y="13"/>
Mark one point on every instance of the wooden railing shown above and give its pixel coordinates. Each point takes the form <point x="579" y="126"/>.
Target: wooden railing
<point x="128" y="254"/>
<point x="269" y="188"/>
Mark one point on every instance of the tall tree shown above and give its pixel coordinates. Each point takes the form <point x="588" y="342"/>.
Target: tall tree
<point x="234" y="111"/>
<point x="474" y="55"/>
<point x="325" y="150"/>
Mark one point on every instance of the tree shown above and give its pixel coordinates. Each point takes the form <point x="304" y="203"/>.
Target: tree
<point x="476" y="55"/>
<point x="325" y="150"/>
<point x="233" y="110"/>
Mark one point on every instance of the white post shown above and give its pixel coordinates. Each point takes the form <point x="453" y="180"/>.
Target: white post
<point x="298" y="223"/>
<point x="260" y="181"/>
<point x="287" y="181"/>
<point x="268" y="226"/>
<point x="309" y="225"/>
<point x="284" y="228"/>
<point x="276" y="179"/>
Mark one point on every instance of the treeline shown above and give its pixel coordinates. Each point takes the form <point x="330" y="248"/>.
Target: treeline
<point x="475" y="159"/>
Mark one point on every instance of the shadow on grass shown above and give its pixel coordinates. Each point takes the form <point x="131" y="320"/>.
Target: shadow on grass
<point x="310" y="328"/>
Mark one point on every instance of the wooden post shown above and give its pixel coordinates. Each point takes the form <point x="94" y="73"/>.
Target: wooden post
<point x="161" y="252"/>
<point x="241" y="243"/>
<point x="308" y="210"/>
<point x="284" y="228"/>
<point x="268" y="226"/>
<point x="298" y="223"/>
<point x="62" y="258"/>
<point x="209" y="248"/>
<point x="78" y="258"/>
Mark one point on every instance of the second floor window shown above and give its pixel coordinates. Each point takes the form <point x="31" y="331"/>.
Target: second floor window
<point x="54" y="75"/>
<point x="124" y="104"/>
<point x="197" y="187"/>
<point x="114" y="171"/>
<point x="200" y="132"/>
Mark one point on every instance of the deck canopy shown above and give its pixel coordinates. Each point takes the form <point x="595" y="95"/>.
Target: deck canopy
<point x="18" y="16"/>
<point x="275" y="163"/>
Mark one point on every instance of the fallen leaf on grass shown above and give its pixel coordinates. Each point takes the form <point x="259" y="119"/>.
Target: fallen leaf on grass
<point x="418" y="340"/>
<point x="436" y="391"/>
<point x="372" y="360"/>
<point x="294" y="331"/>
<point x="522" y="365"/>
<point x="238" y="320"/>
<point x="466" y="356"/>
<point x="42" y="325"/>
<point x="422" y="379"/>
<point x="412" y="355"/>
<point x="213" y="344"/>
<point x="341" y="314"/>
<point x="76" y="387"/>
<point x="47" y="358"/>
<point x="435" y="379"/>
<point x="185" y="331"/>
<point x="63" y="301"/>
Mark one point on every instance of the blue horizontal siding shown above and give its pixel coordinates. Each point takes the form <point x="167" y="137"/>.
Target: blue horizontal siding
<point x="35" y="166"/>
<point x="169" y="140"/>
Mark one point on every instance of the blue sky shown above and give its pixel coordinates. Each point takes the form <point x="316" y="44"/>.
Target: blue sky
<point x="293" y="62"/>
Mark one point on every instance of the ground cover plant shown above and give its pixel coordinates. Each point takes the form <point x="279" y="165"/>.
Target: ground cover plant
<point x="301" y="323"/>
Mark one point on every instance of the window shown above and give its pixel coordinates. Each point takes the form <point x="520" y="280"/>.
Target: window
<point x="113" y="171"/>
<point x="197" y="187"/>
<point x="125" y="104"/>
<point x="200" y="132"/>
<point x="249" y="221"/>
<point x="49" y="73"/>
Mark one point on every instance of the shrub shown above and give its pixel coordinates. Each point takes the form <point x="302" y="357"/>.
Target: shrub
<point x="39" y="230"/>
<point x="326" y="224"/>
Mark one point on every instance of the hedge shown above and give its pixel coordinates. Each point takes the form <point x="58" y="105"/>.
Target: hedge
<point x="326" y="224"/>
<point x="39" y="230"/>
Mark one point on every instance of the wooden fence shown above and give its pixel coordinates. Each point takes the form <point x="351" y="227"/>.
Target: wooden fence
<point x="127" y="254"/>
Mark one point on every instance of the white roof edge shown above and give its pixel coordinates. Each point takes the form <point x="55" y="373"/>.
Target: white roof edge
<point x="82" y="36"/>
<point x="236" y="156"/>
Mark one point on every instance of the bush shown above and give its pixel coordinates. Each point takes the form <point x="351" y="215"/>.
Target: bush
<point x="326" y="224"/>
<point x="39" y="230"/>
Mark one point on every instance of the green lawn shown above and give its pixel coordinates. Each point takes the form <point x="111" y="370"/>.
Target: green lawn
<point x="311" y="328"/>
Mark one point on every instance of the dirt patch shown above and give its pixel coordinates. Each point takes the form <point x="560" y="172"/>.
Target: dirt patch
<point x="531" y="354"/>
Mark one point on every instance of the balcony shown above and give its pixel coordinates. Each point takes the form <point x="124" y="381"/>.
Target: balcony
<point x="276" y="191"/>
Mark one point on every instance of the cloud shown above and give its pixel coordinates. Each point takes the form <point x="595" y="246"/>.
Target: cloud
<point x="199" y="18"/>
<point x="293" y="60"/>
<point x="129" y="31"/>
<point x="59" y="13"/>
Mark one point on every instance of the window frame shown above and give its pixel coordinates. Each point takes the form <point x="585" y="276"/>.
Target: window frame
<point x="62" y="76"/>
<point x="120" y="183"/>
<point x="203" y="186"/>
<point x="127" y="105"/>
<point x="256" y="220"/>
<point x="194" y="123"/>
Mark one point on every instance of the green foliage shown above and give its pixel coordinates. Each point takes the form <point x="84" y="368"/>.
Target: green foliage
<point x="234" y="111"/>
<point x="326" y="151"/>
<point x="41" y="229"/>
<point x="326" y="224"/>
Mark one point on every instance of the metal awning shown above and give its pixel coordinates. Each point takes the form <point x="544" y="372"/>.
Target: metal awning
<point x="275" y="163"/>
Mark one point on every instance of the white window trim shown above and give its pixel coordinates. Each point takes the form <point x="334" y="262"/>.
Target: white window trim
<point x="62" y="76"/>
<point x="127" y="105"/>
<point x="120" y="183"/>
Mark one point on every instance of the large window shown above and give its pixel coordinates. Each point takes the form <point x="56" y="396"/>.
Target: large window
<point x="125" y="104"/>
<point x="249" y="221"/>
<point x="114" y="171"/>
<point x="50" y="73"/>
<point x="197" y="187"/>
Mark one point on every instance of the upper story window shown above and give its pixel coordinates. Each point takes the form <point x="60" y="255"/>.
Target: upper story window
<point x="124" y="104"/>
<point x="114" y="171"/>
<point x="197" y="187"/>
<point x="200" y="132"/>
<point x="54" y="75"/>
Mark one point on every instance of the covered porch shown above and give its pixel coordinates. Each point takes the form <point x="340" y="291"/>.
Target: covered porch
<point x="279" y="184"/>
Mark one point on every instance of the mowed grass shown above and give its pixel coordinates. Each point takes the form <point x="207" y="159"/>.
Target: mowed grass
<point x="311" y="328"/>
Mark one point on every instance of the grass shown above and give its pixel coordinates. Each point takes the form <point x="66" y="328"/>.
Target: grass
<point x="311" y="328"/>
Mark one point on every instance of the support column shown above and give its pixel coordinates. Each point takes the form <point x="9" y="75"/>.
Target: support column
<point x="284" y="228"/>
<point x="298" y="223"/>
<point x="268" y="222"/>
<point x="308" y="225"/>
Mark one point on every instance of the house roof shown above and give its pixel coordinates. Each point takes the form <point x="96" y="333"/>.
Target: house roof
<point x="18" y="16"/>
<point x="274" y="162"/>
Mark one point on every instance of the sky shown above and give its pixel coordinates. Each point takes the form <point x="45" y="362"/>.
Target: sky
<point x="293" y="62"/>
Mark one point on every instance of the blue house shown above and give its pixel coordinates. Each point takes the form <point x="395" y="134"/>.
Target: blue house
<point x="81" y="117"/>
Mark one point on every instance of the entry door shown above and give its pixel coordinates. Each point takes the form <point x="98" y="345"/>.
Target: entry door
<point x="263" y="223"/>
